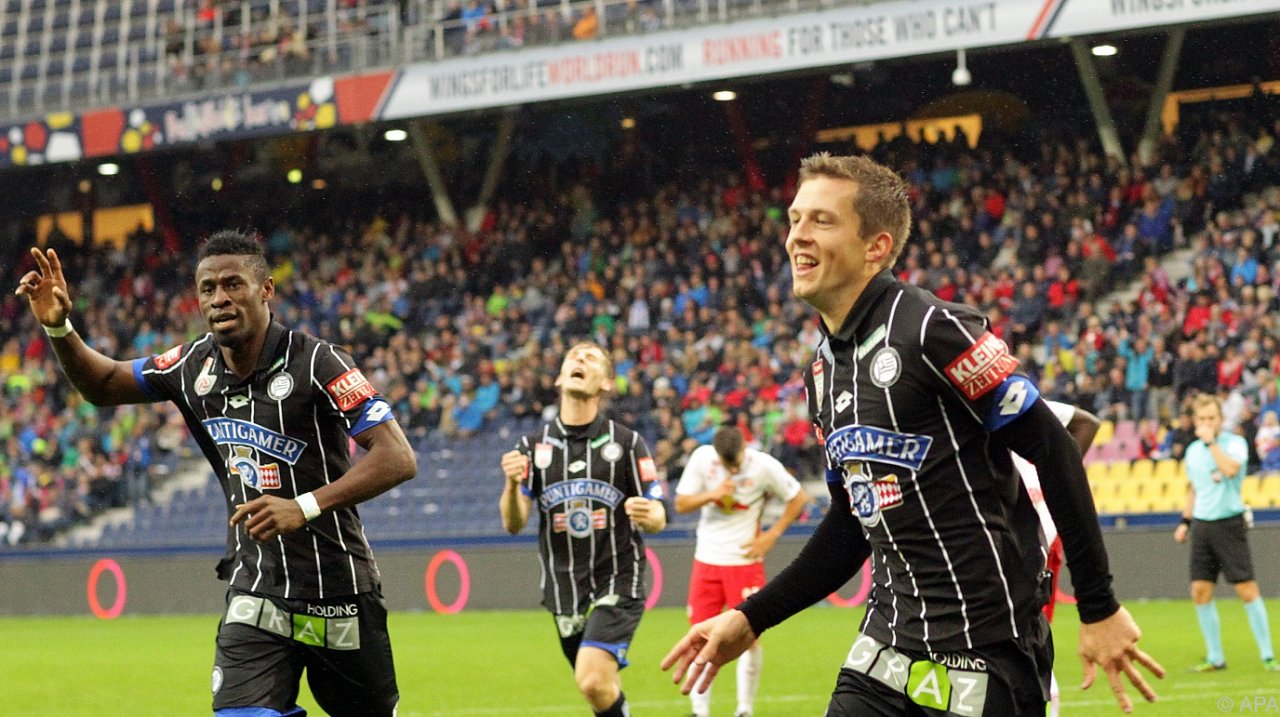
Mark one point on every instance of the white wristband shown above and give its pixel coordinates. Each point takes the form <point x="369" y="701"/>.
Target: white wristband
<point x="57" y="332"/>
<point x="310" y="508"/>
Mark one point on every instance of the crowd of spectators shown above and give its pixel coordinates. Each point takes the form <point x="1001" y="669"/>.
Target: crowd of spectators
<point x="687" y="284"/>
<point x="219" y="42"/>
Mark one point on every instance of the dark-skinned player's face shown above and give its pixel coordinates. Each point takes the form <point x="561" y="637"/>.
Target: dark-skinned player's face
<point x="233" y="298"/>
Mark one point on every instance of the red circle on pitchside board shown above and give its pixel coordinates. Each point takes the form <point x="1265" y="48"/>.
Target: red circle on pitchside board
<point x="864" y="589"/>
<point x="464" y="575"/>
<point x="656" y="593"/>
<point x="91" y="589"/>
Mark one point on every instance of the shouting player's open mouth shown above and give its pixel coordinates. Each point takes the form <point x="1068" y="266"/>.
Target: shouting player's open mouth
<point x="222" y="322"/>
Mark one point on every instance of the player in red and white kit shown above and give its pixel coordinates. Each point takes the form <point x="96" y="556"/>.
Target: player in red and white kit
<point x="731" y="483"/>
<point x="1082" y="426"/>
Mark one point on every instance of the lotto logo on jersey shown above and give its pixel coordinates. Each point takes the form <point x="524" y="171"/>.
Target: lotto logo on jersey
<point x="350" y="389"/>
<point x="169" y="358"/>
<point x="982" y="367"/>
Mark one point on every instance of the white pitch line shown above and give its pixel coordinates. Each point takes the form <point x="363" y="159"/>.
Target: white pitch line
<point x="577" y="707"/>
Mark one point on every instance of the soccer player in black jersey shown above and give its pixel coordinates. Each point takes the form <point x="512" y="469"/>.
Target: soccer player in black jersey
<point x="273" y="411"/>
<point x="595" y="484"/>
<point x="917" y="405"/>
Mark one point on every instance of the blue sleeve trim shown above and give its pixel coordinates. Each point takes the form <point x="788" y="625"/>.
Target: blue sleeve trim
<point x="142" y="379"/>
<point x="375" y="411"/>
<point x="618" y="650"/>
<point x="654" y="491"/>
<point x="835" y="476"/>
<point x="1012" y="398"/>
<point x="524" y="490"/>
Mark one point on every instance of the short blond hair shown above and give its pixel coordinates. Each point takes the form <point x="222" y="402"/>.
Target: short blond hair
<point x="881" y="200"/>
<point x="1206" y="399"/>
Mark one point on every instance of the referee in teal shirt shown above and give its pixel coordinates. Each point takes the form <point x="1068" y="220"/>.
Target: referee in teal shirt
<point x="1215" y="519"/>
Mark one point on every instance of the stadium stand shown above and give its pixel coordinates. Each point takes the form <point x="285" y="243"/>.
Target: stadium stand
<point x="685" y="280"/>
<point x="79" y="54"/>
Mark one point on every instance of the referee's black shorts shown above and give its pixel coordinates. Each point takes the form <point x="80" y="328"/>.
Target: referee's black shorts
<point x="1221" y="547"/>
<point x="264" y="644"/>
<point x="1005" y="679"/>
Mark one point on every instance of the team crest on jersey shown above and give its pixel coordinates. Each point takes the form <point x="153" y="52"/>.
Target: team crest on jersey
<point x="280" y="386"/>
<point x="169" y="358"/>
<point x="611" y="452"/>
<point x="818" y="382"/>
<point x="870" y="498"/>
<point x="252" y="474"/>
<point x="578" y="519"/>
<point x="206" y="379"/>
<point x="886" y="366"/>
<point x="542" y="456"/>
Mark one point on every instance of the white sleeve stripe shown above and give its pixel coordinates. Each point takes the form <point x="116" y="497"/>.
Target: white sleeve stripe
<point x="924" y="325"/>
<point x="888" y="401"/>
<point x="953" y="388"/>
<point x="973" y="501"/>
<point x="893" y="418"/>
<point x="163" y="372"/>
<point x="960" y="325"/>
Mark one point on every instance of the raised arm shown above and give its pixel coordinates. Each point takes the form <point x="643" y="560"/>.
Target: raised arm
<point x="102" y="380"/>
<point x="514" y="505"/>
<point x="1083" y="427"/>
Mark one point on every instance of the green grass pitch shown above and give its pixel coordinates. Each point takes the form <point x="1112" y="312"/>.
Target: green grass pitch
<point x="508" y="663"/>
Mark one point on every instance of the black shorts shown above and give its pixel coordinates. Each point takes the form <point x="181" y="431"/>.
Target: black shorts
<point x="1221" y="546"/>
<point x="1005" y="679"/>
<point x="264" y="644"/>
<point x="609" y="624"/>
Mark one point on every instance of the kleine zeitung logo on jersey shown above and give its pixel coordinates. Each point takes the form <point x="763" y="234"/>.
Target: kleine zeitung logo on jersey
<point x="350" y="389"/>
<point x="169" y="358"/>
<point x="982" y="367"/>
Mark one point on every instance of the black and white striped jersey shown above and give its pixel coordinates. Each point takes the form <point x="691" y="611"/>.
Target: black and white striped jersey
<point x="283" y="431"/>
<point x="579" y="478"/>
<point x="904" y="397"/>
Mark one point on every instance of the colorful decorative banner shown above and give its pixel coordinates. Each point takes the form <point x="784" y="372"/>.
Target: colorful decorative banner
<point x="319" y="104"/>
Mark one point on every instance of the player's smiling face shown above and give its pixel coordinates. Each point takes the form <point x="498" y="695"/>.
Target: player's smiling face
<point x="585" y="372"/>
<point x="828" y="254"/>
<point x="232" y="298"/>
